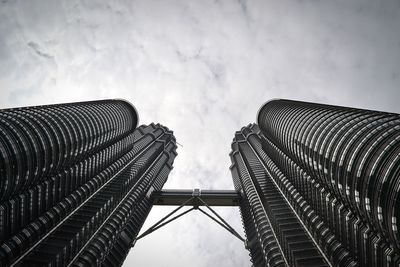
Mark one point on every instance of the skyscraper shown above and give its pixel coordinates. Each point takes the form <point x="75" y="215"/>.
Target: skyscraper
<point x="317" y="185"/>
<point x="320" y="185"/>
<point x="76" y="181"/>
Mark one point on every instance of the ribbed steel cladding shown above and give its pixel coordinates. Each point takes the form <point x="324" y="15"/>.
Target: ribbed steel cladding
<point x="38" y="256"/>
<point x="265" y="239"/>
<point x="317" y="197"/>
<point x="252" y="245"/>
<point x="336" y="252"/>
<point x="37" y="142"/>
<point x="141" y="209"/>
<point x="351" y="158"/>
<point x="76" y="177"/>
<point x="14" y="213"/>
<point x="120" y="217"/>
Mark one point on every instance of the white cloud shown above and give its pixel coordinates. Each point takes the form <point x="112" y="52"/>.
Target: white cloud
<point x="202" y="68"/>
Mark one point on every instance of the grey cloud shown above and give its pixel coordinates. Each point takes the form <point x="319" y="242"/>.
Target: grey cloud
<point x="36" y="48"/>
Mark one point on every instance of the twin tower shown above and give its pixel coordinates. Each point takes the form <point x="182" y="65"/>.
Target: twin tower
<point x="317" y="185"/>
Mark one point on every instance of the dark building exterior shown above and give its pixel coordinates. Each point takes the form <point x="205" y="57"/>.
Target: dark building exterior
<point x="76" y="182"/>
<point x="320" y="185"/>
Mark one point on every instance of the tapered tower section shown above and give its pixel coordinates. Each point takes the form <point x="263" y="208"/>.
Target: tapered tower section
<point x="76" y="182"/>
<point x="272" y="210"/>
<point x="345" y="163"/>
<point x="320" y="185"/>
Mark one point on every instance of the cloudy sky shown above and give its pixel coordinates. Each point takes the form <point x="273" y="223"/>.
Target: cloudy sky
<point x="202" y="68"/>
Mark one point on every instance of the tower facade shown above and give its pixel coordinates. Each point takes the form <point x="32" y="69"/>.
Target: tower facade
<point x="320" y="185"/>
<point x="76" y="182"/>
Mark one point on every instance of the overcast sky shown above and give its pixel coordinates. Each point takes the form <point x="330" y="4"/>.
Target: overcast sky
<point x="202" y="68"/>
